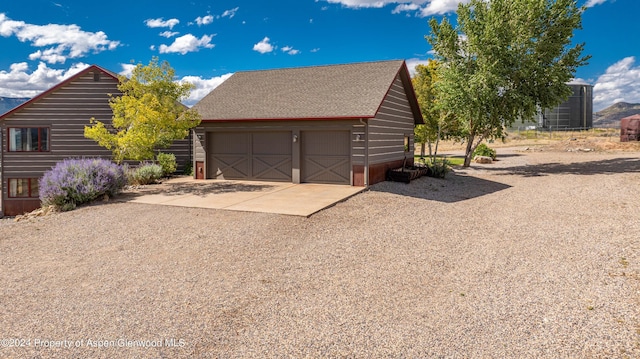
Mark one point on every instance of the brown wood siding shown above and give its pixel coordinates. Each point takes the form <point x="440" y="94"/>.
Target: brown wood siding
<point x="65" y="111"/>
<point x="391" y="124"/>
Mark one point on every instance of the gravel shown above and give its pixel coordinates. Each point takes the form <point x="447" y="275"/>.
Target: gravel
<point x="534" y="256"/>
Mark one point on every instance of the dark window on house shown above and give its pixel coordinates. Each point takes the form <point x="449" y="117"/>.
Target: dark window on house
<point x="30" y="139"/>
<point x="96" y="76"/>
<point x="407" y="143"/>
<point x="23" y="188"/>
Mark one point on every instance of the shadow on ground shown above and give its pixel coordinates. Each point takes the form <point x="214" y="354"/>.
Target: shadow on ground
<point x="455" y="188"/>
<point x="610" y="166"/>
<point x="197" y="189"/>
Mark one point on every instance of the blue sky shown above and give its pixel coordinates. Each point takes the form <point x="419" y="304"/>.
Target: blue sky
<point x="44" y="41"/>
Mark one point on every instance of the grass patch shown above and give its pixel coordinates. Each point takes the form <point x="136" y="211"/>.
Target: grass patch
<point x="452" y="161"/>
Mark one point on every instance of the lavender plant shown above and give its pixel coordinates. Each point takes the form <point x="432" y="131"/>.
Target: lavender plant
<point x="76" y="181"/>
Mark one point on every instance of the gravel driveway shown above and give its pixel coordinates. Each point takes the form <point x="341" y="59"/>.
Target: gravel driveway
<point x="536" y="256"/>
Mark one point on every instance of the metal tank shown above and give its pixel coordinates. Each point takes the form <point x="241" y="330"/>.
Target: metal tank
<point x="575" y="113"/>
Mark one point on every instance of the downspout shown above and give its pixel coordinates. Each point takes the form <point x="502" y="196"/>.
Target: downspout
<point x="366" y="152"/>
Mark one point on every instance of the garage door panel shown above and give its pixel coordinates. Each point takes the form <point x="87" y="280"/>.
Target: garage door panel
<point x="272" y="167"/>
<point x="271" y="143"/>
<point x="229" y="167"/>
<point x="326" y="157"/>
<point x="250" y="155"/>
<point x="229" y="143"/>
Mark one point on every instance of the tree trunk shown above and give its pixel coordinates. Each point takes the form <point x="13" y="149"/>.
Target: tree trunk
<point x="469" y="152"/>
<point x="422" y="150"/>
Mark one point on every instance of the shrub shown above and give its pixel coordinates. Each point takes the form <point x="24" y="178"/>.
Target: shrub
<point x="484" y="150"/>
<point x="77" y="181"/>
<point x="438" y="167"/>
<point x="188" y="168"/>
<point x="147" y="173"/>
<point x="168" y="163"/>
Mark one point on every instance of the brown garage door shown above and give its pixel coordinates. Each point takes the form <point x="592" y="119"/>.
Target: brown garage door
<point x="262" y="156"/>
<point x="325" y="157"/>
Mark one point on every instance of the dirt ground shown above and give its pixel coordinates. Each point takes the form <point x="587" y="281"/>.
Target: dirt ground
<point x="564" y="141"/>
<point x="534" y="256"/>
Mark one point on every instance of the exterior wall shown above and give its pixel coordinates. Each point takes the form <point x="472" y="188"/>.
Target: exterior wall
<point x="386" y="135"/>
<point x="295" y="126"/>
<point x="391" y="124"/>
<point x="65" y="111"/>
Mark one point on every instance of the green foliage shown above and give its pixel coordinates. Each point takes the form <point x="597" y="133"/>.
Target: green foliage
<point x="438" y="167"/>
<point x="438" y="123"/>
<point x="188" y="168"/>
<point x="147" y="116"/>
<point x="168" y="163"/>
<point x="484" y="150"/>
<point x="147" y="173"/>
<point x="504" y="60"/>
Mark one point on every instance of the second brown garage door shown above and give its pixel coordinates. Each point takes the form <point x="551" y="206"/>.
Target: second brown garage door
<point x="325" y="157"/>
<point x="262" y="156"/>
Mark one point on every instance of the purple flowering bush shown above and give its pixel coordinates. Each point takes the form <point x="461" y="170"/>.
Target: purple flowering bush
<point x="77" y="181"/>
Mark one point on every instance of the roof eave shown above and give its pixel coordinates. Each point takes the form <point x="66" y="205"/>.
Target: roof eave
<point x="332" y="118"/>
<point x="55" y="87"/>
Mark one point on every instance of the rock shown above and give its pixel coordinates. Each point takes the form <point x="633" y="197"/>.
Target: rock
<point x="40" y="212"/>
<point x="483" y="159"/>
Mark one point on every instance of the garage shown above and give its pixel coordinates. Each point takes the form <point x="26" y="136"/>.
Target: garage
<point x="262" y="156"/>
<point x="342" y="124"/>
<point x="325" y="157"/>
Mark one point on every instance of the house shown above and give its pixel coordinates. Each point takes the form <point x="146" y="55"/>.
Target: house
<point x="49" y="128"/>
<point x="338" y="124"/>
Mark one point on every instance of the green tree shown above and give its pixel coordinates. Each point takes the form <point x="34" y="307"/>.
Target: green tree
<point x="504" y="60"/>
<point x="147" y="116"/>
<point x="438" y="123"/>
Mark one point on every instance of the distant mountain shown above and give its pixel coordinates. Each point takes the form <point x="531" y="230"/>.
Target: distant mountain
<point x="7" y="103"/>
<point x="611" y="116"/>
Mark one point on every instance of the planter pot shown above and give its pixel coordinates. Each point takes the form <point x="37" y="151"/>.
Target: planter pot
<point x="406" y="174"/>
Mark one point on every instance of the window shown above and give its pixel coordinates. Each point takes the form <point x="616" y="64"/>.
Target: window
<point x="407" y="143"/>
<point x="23" y="188"/>
<point x="30" y="139"/>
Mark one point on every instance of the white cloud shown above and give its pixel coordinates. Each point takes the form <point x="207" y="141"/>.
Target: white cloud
<point x="263" y="46"/>
<point x="61" y="41"/>
<point x="363" y="3"/>
<point x="230" y="13"/>
<point x="592" y="3"/>
<point x="206" y="20"/>
<point x="290" y="50"/>
<point x="440" y="7"/>
<point x="422" y="8"/>
<point x="187" y="43"/>
<point x="169" y="34"/>
<point x="405" y="7"/>
<point x="413" y="62"/>
<point x="202" y="87"/>
<point x="127" y="69"/>
<point x="315" y="49"/>
<point x="160" y="22"/>
<point x="19" y="82"/>
<point x="620" y="83"/>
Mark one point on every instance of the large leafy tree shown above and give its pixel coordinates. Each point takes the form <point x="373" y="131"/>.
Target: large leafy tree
<point x="147" y="116"/>
<point x="505" y="60"/>
<point x="438" y="122"/>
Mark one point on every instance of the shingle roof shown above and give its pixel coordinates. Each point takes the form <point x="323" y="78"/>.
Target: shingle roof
<point x="320" y="92"/>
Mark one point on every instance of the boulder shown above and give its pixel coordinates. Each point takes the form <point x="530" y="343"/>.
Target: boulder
<point x="483" y="159"/>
